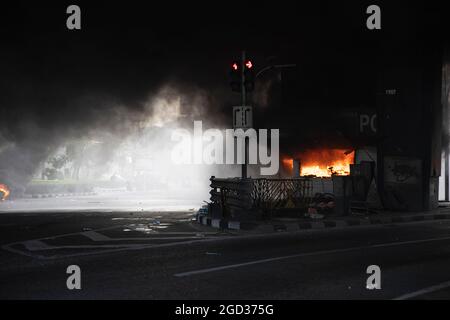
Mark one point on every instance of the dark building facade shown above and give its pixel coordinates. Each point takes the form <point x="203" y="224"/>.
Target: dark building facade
<point x="384" y="92"/>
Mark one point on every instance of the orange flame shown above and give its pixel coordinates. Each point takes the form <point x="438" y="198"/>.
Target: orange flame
<point x="4" y="189"/>
<point x="322" y="163"/>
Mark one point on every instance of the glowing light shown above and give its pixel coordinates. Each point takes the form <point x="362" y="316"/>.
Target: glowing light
<point x="5" y="191"/>
<point x="322" y="163"/>
<point x="249" y="64"/>
<point x="235" y="66"/>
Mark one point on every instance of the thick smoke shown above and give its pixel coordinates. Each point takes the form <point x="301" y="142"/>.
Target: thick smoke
<point x="30" y="135"/>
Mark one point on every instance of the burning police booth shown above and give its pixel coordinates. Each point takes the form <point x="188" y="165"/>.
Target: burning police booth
<point x="351" y="163"/>
<point x="320" y="174"/>
<point x="353" y="140"/>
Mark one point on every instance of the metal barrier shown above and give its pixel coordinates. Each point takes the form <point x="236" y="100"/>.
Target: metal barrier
<point x="272" y="194"/>
<point x="260" y="195"/>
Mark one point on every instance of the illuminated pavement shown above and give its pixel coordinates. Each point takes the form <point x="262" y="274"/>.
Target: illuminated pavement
<point x="105" y="202"/>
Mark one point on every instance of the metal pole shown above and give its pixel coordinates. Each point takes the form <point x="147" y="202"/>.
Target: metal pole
<point x="445" y="105"/>
<point x="243" y="94"/>
<point x="447" y="169"/>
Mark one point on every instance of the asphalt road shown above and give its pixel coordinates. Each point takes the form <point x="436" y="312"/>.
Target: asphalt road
<point x="163" y="255"/>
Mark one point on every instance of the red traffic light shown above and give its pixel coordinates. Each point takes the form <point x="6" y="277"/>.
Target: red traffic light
<point x="249" y="64"/>
<point x="235" y="66"/>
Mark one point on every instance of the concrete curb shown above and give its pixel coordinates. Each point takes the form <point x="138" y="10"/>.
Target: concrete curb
<point x="57" y="195"/>
<point x="322" y="224"/>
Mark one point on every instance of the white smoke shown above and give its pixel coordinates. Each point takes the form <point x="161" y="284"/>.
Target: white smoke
<point x="129" y="145"/>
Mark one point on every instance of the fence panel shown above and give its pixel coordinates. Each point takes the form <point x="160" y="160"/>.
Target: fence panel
<point x="263" y="195"/>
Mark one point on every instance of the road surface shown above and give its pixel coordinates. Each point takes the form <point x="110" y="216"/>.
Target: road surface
<point x="164" y="255"/>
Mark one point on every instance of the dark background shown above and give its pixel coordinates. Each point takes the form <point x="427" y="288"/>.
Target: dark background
<point x="126" y="50"/>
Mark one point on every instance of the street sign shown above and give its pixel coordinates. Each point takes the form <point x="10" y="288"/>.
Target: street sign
<point x="242" y="117"/>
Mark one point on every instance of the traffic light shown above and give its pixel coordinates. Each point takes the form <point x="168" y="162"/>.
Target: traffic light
<point x="235" y="75"/>
<point x="249" y="76"/>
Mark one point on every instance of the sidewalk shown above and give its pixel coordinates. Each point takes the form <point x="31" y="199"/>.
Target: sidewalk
<point x="303" y="223"/>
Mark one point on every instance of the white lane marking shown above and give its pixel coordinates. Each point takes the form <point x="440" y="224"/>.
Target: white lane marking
<point x="157" y="238"/>
<point x="424" y="291"/>
<point x="23" y="253"/>
<point x="180" y="233"/>
<point x="95" y="236"/>
<point x="39" y="244"/>
<point x="33" y="245"/>
<point x="87" y="246"/>
<point x="8" y="247"/>
<point x="230" y="266"/>
<point x="317" y="253"/>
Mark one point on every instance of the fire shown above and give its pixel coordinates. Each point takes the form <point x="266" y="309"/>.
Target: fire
<point x="322" y="163"/>
<point x="5" y="191"/>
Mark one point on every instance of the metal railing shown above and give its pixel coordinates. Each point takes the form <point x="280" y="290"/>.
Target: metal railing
<point x="271" y="194"/>
<point x="260" y="195"/>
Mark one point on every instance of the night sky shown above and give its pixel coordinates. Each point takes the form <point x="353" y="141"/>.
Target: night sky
<point x="126" y="50"/>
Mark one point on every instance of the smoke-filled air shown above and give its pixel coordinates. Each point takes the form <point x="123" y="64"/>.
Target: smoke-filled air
<point x="98" y="145"/>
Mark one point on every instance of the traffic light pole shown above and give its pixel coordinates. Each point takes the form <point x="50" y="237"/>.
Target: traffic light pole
<point x="244" y="98"/>
<point x="246" y="82"/>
